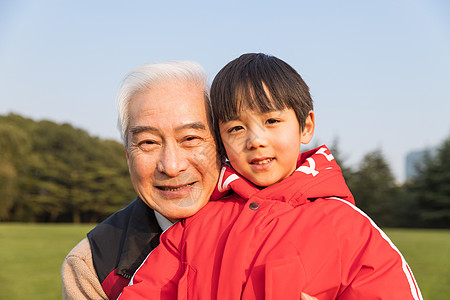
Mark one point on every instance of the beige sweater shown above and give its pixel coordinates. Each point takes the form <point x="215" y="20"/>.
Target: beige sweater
<point x="79" y="279"/>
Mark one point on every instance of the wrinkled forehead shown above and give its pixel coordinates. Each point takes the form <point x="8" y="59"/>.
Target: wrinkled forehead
<point x="170" y="102"/>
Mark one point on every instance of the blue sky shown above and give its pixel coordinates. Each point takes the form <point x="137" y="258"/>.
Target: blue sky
<point x="379" y="71"/>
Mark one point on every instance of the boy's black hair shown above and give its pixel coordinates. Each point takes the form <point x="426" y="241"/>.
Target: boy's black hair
<point x="258" y="82"/>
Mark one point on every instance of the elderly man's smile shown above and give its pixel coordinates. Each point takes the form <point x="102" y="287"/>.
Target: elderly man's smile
<point x="174" y="188"/>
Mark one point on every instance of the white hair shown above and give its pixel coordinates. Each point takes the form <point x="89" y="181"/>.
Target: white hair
<point x="144" y="77"/>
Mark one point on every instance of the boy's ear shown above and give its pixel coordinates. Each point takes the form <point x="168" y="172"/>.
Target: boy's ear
<point x="308" y="132"/>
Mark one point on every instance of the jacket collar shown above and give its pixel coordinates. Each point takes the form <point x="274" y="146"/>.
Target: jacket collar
<point x="317" y="176"/>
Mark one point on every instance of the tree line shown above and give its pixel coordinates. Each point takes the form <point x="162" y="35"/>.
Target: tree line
<point x="53" y="172"/>
<point x="56" y="173"/>
<point x="423" y="201"/>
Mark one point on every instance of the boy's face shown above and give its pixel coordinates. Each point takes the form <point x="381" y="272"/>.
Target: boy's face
<point x="263" y="147"/>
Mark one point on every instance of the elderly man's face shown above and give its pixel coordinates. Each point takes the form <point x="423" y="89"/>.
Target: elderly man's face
<point x="171" y="151"/>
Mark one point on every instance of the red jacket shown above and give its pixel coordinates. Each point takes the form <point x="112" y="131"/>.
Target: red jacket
<point x="303" y="234"/>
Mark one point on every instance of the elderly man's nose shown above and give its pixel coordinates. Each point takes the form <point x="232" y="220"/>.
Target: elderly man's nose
<point x="172" y="161"/>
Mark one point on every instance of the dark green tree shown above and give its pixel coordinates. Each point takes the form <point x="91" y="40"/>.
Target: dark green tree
<point x="54" y="172"/>
<point x="15" y="148"/>
<point x="430" y="189"/>
<point x="375" y="190"/>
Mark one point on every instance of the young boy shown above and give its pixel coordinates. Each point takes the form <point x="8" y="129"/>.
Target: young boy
<point x="281" y="223"/>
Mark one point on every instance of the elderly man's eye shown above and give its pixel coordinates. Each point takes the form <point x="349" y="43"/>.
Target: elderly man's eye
<point x="192" y="140"/>
<point x="147" y="145"/>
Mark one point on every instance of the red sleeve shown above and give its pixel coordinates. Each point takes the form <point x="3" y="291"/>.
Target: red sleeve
<point x="372" y="266"/>
<point x="158" y="276"/>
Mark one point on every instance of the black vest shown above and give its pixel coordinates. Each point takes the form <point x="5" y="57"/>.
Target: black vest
<point x="124" y="240"/>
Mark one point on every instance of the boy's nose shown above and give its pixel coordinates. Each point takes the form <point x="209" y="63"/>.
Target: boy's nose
<point x="256" y="140"/>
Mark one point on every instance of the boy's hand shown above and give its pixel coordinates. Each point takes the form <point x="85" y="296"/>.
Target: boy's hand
<point x="307" y="297"/>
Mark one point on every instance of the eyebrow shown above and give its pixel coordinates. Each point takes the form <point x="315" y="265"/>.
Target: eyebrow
<point x="138" y="129"/>
<point x="194" y="125"/>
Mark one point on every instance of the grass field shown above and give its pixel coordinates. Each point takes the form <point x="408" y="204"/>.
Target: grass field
<point x="428" y="254"/>
<point x="31" y="257"/>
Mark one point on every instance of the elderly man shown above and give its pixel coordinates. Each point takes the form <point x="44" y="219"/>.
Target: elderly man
<point x="164" y="117"/>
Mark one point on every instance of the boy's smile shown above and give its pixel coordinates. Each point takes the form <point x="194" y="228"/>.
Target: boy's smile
<point x="263" y="147"/>
<point x="262" y="161"/>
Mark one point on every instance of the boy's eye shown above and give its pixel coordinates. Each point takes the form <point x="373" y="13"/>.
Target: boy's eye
<point x="235" y="129"/>
<point x="272" y="121"/>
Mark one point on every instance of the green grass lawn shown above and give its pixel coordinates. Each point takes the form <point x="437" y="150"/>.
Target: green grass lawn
<point x="428" y="255"/>
<point x="31" y="257"/>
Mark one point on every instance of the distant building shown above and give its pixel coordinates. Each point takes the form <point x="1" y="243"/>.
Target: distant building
<point x="415" y="159"/>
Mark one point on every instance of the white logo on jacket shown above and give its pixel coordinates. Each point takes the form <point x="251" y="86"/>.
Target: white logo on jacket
<point x="312" y="163"/>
